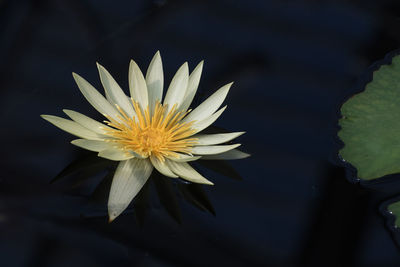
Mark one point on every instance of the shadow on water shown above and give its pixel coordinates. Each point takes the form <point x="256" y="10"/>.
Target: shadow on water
<point x="91" y="176"/>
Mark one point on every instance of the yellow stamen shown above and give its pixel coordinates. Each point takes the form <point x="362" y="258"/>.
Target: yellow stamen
<point x="161" y="134"/>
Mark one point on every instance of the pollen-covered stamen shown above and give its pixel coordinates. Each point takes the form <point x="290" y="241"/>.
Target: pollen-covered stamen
<point x="161" y="134"/>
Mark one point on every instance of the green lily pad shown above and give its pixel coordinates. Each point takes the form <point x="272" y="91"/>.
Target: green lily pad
<point x="370" y="126"/>
<point x="394" y="208"/>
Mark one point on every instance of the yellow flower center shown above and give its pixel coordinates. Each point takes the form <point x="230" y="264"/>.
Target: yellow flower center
<point x="160" y="134"/>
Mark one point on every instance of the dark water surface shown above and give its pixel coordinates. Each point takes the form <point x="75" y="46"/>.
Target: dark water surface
<point x="293" y="62"/>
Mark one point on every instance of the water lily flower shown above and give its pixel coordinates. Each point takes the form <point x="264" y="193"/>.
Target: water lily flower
<point x="143" y="132"/>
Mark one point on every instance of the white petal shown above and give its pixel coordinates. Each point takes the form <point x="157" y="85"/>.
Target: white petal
<point x="96" y="99"/>
<point x="177" y="88"/>
<point x="193" y="84"/>
<point x="210" y="150"/>
<point x="155" y="80"/>
<point x="87" y="122"/>
<point x="137" y="85"/>
<point x="162" y="168"/>
<point x="214" y="139"/>
<point x="201" y="125"/>
<point x="129" y="178"/>
<point x="184" y="158"/>
<point x="209" y="106"/>
<point x="184" y="170"/>
<point x="114" y="91"/>
<point x="230" y="155"/>
<point x="72" y="127"/>
<point x="93" y="145"/>
<point x="115" y="154"/>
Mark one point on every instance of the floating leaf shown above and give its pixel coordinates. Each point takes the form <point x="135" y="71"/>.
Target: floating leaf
<point x="370" y="126"/>
<point x="394" y="208"/>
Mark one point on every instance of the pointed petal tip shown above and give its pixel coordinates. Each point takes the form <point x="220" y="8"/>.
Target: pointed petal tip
<point x="209" y="183"/>
<point x="200" y="65"/>
<point x="77" y="77"/>
<point x="245" y="155"/>
<point x="44" y="116"/>
<point x="185" y="66"/>
<point x="75" y="141"/>
<point x="66" y="111"/>
<point x="111" y="217"/>
<point x="113" y="213"/>
<point x="101" y="69"/>
<point x="131" y="65"/>
<point x="227" y="86"/>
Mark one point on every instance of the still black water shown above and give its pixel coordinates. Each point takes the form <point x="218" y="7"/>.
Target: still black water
<point x="289" y="204"/>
